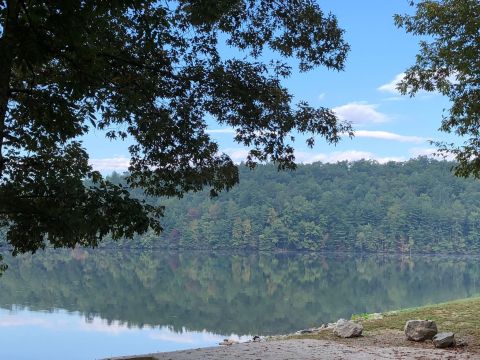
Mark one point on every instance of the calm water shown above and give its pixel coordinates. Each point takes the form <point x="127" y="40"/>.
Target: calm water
<point x="91" y="305"/>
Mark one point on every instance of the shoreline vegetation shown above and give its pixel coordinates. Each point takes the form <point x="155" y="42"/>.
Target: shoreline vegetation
<point x="417" y="206"/>
<point x="384" y="330"/>
<point x="457" y="316"/>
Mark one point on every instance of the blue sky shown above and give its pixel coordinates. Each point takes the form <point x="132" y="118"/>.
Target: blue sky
<point x="388" y="126"/>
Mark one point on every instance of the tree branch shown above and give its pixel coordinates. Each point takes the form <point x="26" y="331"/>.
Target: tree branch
<point x="7" y="51"/>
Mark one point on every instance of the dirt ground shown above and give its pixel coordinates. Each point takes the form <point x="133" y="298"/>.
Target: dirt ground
<point x="309" y="349"/>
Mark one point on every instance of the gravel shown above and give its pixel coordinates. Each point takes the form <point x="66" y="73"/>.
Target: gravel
<point x="305" y="349"/>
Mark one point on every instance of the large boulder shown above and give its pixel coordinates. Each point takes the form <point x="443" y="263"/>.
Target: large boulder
<point x="347" y="329"/>
<point x="444" y="340"/>
<point x="420" y="330"/>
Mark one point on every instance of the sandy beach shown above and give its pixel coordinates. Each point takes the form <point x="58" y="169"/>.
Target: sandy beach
<point x="305" y="349"/>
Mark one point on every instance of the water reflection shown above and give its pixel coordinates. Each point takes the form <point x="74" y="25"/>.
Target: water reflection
<point x="229" y="293"/>
<point x="28" y="334"/>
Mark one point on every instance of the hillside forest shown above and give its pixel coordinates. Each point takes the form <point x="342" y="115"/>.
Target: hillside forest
<point x="363" y="206"/>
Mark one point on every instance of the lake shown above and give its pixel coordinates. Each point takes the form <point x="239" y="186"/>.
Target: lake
<point x="95" y="304"/>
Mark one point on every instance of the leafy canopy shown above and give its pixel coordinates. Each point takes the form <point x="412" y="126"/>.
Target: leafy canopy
<point x="449" y="62"/>
<point x="153" y="72"/>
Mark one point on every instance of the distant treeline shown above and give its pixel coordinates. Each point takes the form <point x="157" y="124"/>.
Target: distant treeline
<point x="416" y="206"/>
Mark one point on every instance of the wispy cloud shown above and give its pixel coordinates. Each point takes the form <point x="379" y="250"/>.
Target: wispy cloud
<point x="349" y="155"/>
<point x="417" y="151"/>
<point x="321" y="96"/>
<point x="236" y="154"/>
<point x="391" y="87"/>
<point x="430" y="152"/>
<point x="385" y="135"/>
<point x="118" y="163"/>
<point x="239" y="155"/>
<point x="360" y="113"/>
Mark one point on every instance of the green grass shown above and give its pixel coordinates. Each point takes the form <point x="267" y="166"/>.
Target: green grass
<point x="460" y="316"/>
<point x="362" y="316"/>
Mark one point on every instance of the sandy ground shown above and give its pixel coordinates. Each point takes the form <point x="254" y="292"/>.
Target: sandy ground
<point x="307" y="349"/>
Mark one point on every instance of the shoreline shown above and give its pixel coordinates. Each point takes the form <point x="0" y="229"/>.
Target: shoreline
<point x="383" y="337"/>
<point x="304" y="350"/>
<point x="234" y="251"/>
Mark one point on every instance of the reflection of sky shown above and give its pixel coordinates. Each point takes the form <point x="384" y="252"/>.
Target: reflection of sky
<point x="29" y="335"/>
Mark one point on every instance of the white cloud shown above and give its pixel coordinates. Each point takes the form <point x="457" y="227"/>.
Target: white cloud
<point x="430" y="152"/>
<point x="220" y="131"/>
<point x="360" y="113"/>
<point x="391" y="87"/>
<point x="118" y="163"/>
<point x="236" y="154"/>
<point x="415" y="152"/>
<point x="350" y="155"/>
<point x="239" y="155"/>
<point x="308" y="158"/>
<point x="388" y="136"/>
<point x="321" y="96"/>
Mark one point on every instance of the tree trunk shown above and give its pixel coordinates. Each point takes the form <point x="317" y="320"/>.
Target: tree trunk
<point x="7" y="51"/>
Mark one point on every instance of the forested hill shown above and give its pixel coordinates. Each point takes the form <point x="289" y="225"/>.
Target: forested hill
<point x="362" y="206"/>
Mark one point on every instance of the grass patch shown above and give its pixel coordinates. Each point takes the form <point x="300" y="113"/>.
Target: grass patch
<point x="460" y="316"/>
<point x="362" y="316"/>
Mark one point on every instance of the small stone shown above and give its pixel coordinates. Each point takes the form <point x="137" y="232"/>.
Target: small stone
<point x="461" y="343"/>
<point x="444" y="340"/>
<point x="331" y="325"/>
<point x="420" y="330"/>
<point x="320" y="328"/>
<point x="347" y="329"/>
<point x="228" y="342"/>
<point x="323" y="327"/>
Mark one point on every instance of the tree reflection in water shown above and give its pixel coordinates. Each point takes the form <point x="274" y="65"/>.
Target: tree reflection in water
<point x="227" y="293"/>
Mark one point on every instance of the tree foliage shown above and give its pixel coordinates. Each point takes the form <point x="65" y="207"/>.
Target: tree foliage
<point x="152" y="72"/>
<point x="449" y="62"/>
<point x="415" y="206"/>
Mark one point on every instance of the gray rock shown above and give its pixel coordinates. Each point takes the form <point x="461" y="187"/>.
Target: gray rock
<point x="347" y="329"/>
<point x="420" y="330"/>
<point x="444" y="340"/>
